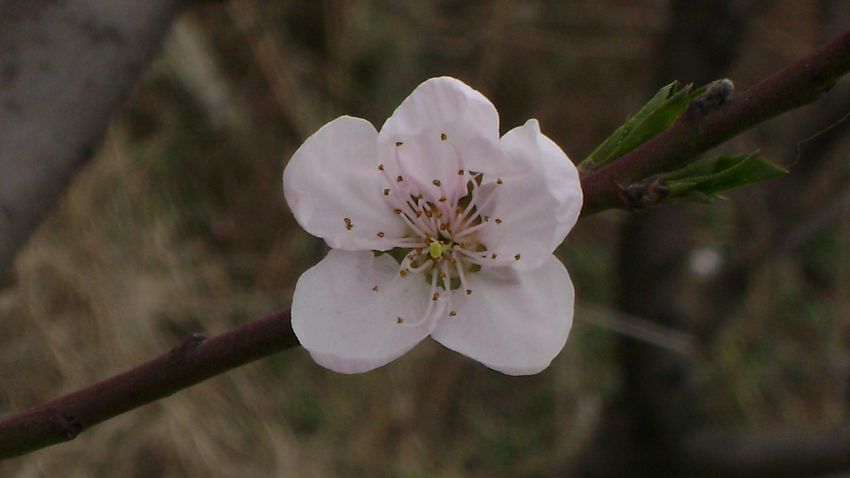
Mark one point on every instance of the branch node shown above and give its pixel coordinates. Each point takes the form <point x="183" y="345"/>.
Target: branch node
<point x="178" y="354"/>
<point x="69" y="426"/>
<point x="716" y="94"/>
<point x="643" y="194"/>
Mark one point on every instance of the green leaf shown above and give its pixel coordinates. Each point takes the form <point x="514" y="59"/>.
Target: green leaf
<point x="657" y="115"/>
<point x="701" y="181"/>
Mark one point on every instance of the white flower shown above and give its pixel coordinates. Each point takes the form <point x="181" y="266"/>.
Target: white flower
<point x="470" y="219"/>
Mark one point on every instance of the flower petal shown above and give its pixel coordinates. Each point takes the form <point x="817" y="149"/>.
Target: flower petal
<point x="537" y="201"/>
<point x="333" y="187"/>
<point x="443" y="105"/>
<point x="346" y="308"/>
<point x="514" y="321"/>
<point x="431" y="136"/>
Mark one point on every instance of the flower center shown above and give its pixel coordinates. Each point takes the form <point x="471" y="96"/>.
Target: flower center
<point x="442" y="242"/>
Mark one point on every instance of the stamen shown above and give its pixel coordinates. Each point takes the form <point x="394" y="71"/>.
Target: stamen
<point x="480" y="260"/>
<point x="472" y="206"/>
<point x="447" y="283"/>
<point x="419" y="232"/>
<point x="414" y="215"/>
<point x="459" y="267"/>
<point x="472" y="229"/>
<point x="429" y="213"/>
<point x="420" y="267"/>
<point x="479" y="208"/>
<point x="406" y="242"/>
<point x="428" y="310"/>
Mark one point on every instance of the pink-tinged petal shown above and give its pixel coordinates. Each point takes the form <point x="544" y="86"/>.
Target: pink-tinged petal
<point x="443" y="105"/>
<point x="333" y="187"/>
<point x="536" y="201"/>
<point x="424" y="165"/>
<point x="432" y="136"/>
<point x="514" y="321"/>
<point x="346" y="311"/>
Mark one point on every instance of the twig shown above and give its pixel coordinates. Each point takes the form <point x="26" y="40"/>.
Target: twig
<point x="695" y="132"/>
<point x="639" y="329"/>
<point x="191" y="362"/>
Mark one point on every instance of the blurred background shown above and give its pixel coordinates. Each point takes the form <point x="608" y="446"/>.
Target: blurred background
<point x="702" y="333"/>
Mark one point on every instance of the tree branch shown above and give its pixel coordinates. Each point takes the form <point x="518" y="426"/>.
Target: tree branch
<point x="191" y="362"/>
<point x="697" y="131"/>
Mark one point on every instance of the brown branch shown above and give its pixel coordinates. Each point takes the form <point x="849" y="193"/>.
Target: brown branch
<point x="196" y="360"/>
<point x="191" y="362"/>
<point x="696" y="131"/>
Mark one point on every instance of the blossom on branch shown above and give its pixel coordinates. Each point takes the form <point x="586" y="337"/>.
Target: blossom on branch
<point x="437" y="227"/>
